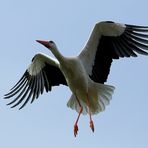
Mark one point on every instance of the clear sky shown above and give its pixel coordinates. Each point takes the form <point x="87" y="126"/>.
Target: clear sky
<point x="48" y="122"/>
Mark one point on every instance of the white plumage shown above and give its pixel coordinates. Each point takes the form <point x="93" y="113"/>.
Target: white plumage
<point x="86" y="73"/>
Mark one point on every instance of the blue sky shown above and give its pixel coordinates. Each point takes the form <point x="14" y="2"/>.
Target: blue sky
<point x="48" y="122"/>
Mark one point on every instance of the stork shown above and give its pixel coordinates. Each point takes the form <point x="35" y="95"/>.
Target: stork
<point x="84" y="74"/>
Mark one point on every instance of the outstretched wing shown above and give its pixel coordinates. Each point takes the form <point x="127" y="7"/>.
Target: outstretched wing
<point x="110" y="41"/>
<point x="42" y="73"/>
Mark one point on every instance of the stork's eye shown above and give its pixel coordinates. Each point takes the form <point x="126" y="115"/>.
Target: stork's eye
<point x="51" y="42"/>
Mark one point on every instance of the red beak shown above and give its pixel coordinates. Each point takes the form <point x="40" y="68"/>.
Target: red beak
<point x="45" y="43"/>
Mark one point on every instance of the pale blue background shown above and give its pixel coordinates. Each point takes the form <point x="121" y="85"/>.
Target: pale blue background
<point x="48" y="122"/>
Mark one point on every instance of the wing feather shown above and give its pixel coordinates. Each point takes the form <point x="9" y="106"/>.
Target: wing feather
<point x="109" y="41"/>
<point x="42" y="73"/>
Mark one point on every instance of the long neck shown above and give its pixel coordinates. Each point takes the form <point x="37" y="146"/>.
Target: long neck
<point x="57" y="54"/>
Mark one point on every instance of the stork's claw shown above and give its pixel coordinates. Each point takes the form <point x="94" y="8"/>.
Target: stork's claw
<point x="92" y="125"/>
<point x="75" y="130"/>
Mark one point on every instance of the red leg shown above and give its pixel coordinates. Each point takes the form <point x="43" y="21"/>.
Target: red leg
<point x="75" y="125"/>
<point x="91" y="121"/>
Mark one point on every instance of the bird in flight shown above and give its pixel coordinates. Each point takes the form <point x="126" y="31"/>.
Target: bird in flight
<point x="84" y="74"/>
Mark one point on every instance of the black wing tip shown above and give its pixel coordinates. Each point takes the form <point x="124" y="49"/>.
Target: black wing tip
<point x="9" y="104"/>
<point x="6" y="97"/>
<point x="12" y="107"/>
<point x="15" y="105"/>
<point x="136" y="26"/>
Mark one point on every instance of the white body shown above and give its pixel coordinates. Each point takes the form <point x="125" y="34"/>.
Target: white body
<point x="84" y="88"/>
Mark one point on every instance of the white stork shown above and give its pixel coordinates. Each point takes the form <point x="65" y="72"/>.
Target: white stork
<point x="86" y="73"/>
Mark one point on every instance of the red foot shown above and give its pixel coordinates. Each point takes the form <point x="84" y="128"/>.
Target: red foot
<point x="75" y="130"/>
<point x="92" y="126"/>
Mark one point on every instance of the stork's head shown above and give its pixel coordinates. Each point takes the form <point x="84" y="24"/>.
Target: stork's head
<point x="48" y="44"/>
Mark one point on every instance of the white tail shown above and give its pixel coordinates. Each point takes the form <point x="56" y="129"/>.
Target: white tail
<point x="99" y="95"/>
